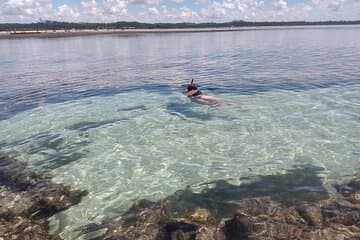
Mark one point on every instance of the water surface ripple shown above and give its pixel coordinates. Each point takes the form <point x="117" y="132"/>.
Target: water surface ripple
<point x="107" y="113"/>
<point x="36" y="71"/>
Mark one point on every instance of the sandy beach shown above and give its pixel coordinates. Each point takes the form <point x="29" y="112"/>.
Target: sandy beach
<point x="131" y="32"/>
<point x="120" y="32"/>
<point x="87" y="32"/>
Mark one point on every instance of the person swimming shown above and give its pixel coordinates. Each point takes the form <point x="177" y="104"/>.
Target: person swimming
<point x="196" y="95"/>
<point x="192" y="90"/>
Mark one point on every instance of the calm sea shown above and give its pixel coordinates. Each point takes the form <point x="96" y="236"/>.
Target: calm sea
<point x="107" y="113"/>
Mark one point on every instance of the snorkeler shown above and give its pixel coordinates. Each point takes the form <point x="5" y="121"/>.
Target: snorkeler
<point x="196" y="95"/>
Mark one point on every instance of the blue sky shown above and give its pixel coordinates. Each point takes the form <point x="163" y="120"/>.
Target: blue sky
<point x="178" y="10"/>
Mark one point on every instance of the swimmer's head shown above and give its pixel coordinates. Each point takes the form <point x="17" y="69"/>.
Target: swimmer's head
<point x="191" y="87"/>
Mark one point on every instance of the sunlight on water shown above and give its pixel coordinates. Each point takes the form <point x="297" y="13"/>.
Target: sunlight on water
<point x="107" y="114"/>
<point x="148" y="145"/>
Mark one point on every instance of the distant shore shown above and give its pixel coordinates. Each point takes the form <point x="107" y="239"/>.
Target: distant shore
<point x="132" y="32"/>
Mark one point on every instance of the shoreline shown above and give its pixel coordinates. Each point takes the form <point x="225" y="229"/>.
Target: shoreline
<point x="134" y="32"/>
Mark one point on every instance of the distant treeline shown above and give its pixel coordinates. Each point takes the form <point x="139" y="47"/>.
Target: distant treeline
<point x="53" y="25"/>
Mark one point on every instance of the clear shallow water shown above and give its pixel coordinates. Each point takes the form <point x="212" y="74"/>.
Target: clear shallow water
<point x="107" y="114"/>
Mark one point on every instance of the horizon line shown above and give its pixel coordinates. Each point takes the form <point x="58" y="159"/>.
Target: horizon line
<point x="173" y="23"/>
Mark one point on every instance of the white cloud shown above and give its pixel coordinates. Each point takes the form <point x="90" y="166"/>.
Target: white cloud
<point x="90" y="9"/>
<point x="281" y="5"/>
<point x="336" y="5"/>
<point x="65" y="12"/>
<point x="104" y="11"/>
<point x="25" y="10"/>
<point x="22" y="7"/>
<point x="232" y="10"/>
<point x="89" y="4"/>
<point x="186" y="14"/>
<point x="316" y="2"/>
<point x="152" y="11"/>
<point x="145" y="2"/>
<point x="203" y="1"/>
<point x="112" y="7"/>
<point x="163" y="14"/>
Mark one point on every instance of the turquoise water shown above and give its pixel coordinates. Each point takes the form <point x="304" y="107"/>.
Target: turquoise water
<point x="107" y="114"/>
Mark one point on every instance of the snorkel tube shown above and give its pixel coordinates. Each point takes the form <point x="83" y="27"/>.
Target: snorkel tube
<point x="191" y="86"/>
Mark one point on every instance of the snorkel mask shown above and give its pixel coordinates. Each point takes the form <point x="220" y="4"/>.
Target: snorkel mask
<point x="192" y="86"/>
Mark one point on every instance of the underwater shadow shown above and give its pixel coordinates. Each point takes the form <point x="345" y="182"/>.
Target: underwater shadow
<point x="55" y="151"/>
<point x="299" y="185"/>
<point x="185" y="111"/>
<point x="84" y="126"/>
<point x="293" y="205"/>
<point x="13" y="106"/>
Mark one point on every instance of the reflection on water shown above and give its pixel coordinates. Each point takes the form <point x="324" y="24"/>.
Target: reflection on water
<point x="37" y="71"/>
<point x="114" y="121"/>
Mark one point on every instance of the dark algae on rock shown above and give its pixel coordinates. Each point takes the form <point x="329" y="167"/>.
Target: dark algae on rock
<point x="27" y="199"/>
<point x="228" y="212"/>
<point x="293" y="205"/>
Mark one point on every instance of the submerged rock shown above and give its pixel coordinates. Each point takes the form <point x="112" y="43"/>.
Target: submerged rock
<point x="152" y="220"/>
<point x="253" y="218"/>
<point x="27" y="199"/>
<point x="351" y="191"/>
<point x="237" y="228"/>
<point x="255" y="210"/>
<point x="201" y="215"/>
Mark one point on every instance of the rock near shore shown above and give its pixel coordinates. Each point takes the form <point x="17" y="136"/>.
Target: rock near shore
<point x="262" y="218"/>
<point x="253" y="210"/>
<point x="27" y="199"/>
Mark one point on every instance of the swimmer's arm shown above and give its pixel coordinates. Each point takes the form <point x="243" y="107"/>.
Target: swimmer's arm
<point x="210" y="98"/>
<point x="190" y="93"/>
